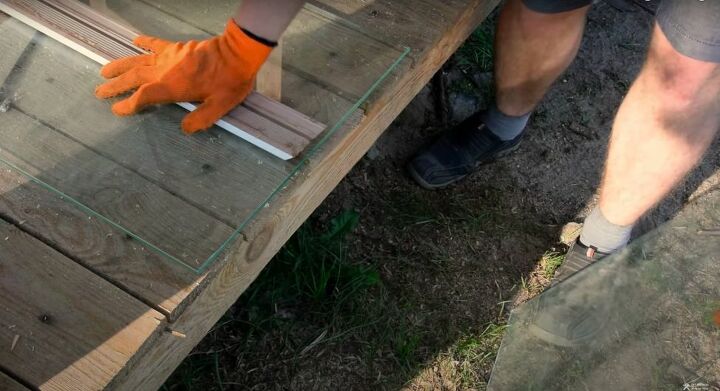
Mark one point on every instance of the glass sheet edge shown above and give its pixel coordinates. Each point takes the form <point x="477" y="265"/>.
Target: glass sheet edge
<point x="306" y="158"/>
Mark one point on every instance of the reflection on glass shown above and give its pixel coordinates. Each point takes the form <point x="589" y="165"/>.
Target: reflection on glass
<point x="185" y="198"/>
<point x="643" y="319"/>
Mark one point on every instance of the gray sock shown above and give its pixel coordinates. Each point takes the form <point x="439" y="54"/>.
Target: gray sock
<point x="504" y="126"/>
<point x="602" y="234"/>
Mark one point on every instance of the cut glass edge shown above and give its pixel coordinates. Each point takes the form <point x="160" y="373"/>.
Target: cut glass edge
<point x="204" y="266"/>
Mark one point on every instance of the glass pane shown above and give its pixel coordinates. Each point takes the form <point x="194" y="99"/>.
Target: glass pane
<point x="652" y="317"/>
<point x="185" y="197"/>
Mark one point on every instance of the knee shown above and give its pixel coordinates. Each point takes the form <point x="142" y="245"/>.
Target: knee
<point x="683" y="87"/>
<point x="682" y="82"/>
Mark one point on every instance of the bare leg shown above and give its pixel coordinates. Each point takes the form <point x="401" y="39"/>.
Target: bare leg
<point x="666" y="122"/>
<point x="531" y="50"/>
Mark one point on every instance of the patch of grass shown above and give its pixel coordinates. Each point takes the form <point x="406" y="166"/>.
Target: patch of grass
<point x="313" y="267"/>
<point x="474" y="57"/>
<point x="531" y="287"/>
<point x="476" y="54"/>
<point x="475" y="352"/>
<point x="474" y="218"/>
<point x="315" y="304"/>
<point x="309" y="294"/>
<point x="550" y="261"/>
<point x="524" y="284"/>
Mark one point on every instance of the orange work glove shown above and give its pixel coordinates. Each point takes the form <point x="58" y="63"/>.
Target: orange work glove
<point x="219" y="72"/>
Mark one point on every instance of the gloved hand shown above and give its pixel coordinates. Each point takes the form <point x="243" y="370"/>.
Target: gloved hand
<point x="219" y="72"/>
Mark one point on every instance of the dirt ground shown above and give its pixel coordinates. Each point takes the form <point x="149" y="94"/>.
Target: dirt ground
<point x="438" y="269"/>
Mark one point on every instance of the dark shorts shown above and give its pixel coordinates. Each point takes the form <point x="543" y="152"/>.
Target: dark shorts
<point x="691" y="26"/>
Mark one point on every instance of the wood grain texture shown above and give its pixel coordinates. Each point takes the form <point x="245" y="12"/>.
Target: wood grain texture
<point x="71" y="329"/>
<point x="396" y="21"/>
<point x="95" y="244"/>
<point x="275" y="224"/>
<point x="111" y="190"/>
<point x="214" y="171"/>
<point x="103" y="40"/>
<point x="8" y="384"/>
<point x="269" y="79"/>
<point x="329" y="61"/>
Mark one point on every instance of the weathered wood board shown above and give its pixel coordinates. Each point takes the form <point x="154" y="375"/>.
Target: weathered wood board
<point x="213" y="171"/>
<point x="438" y="30"/>
<point x="95" y="244"/>
<point x="63" y="327"/>
<point x="102" y="39"/>
<point x="111" y="190"/>
<point x="54" y="87"/>
<point x="432" y="29"/>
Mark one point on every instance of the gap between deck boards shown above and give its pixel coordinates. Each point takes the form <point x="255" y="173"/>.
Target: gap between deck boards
<point x="163" y="286"/>
<point x="19" y="225"/>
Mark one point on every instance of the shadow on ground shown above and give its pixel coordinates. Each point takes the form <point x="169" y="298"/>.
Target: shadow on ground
<point x="417" y="294"/>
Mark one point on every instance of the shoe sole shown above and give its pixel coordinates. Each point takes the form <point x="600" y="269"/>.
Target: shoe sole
<point x="429" y="186"/>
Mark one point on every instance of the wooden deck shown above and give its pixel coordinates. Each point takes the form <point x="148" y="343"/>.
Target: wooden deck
<point x="82" y="308"/>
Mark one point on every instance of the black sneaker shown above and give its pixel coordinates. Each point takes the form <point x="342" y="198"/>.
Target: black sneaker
<point x="577" y="319"/>
<point x="457" y="153"/>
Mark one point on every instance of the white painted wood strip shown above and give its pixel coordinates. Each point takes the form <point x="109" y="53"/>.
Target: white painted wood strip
<point x="102" y="40"/>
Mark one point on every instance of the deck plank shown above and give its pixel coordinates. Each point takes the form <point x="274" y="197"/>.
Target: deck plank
<point x="213" y="171"/>
<point x="268" y="82"/>
<point x="96" y="245"/>
<point x="325" y="61"/>
<point x="144" y="145"/>
<point x="71" y="329"/>
<point x="89" y="32"/>
<point x="111" y="190"/>
<point x="275" y="224"/>
<point x="17" y="40"/>
<point x="413" y="25"/>
<point x="439" y="37"/>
